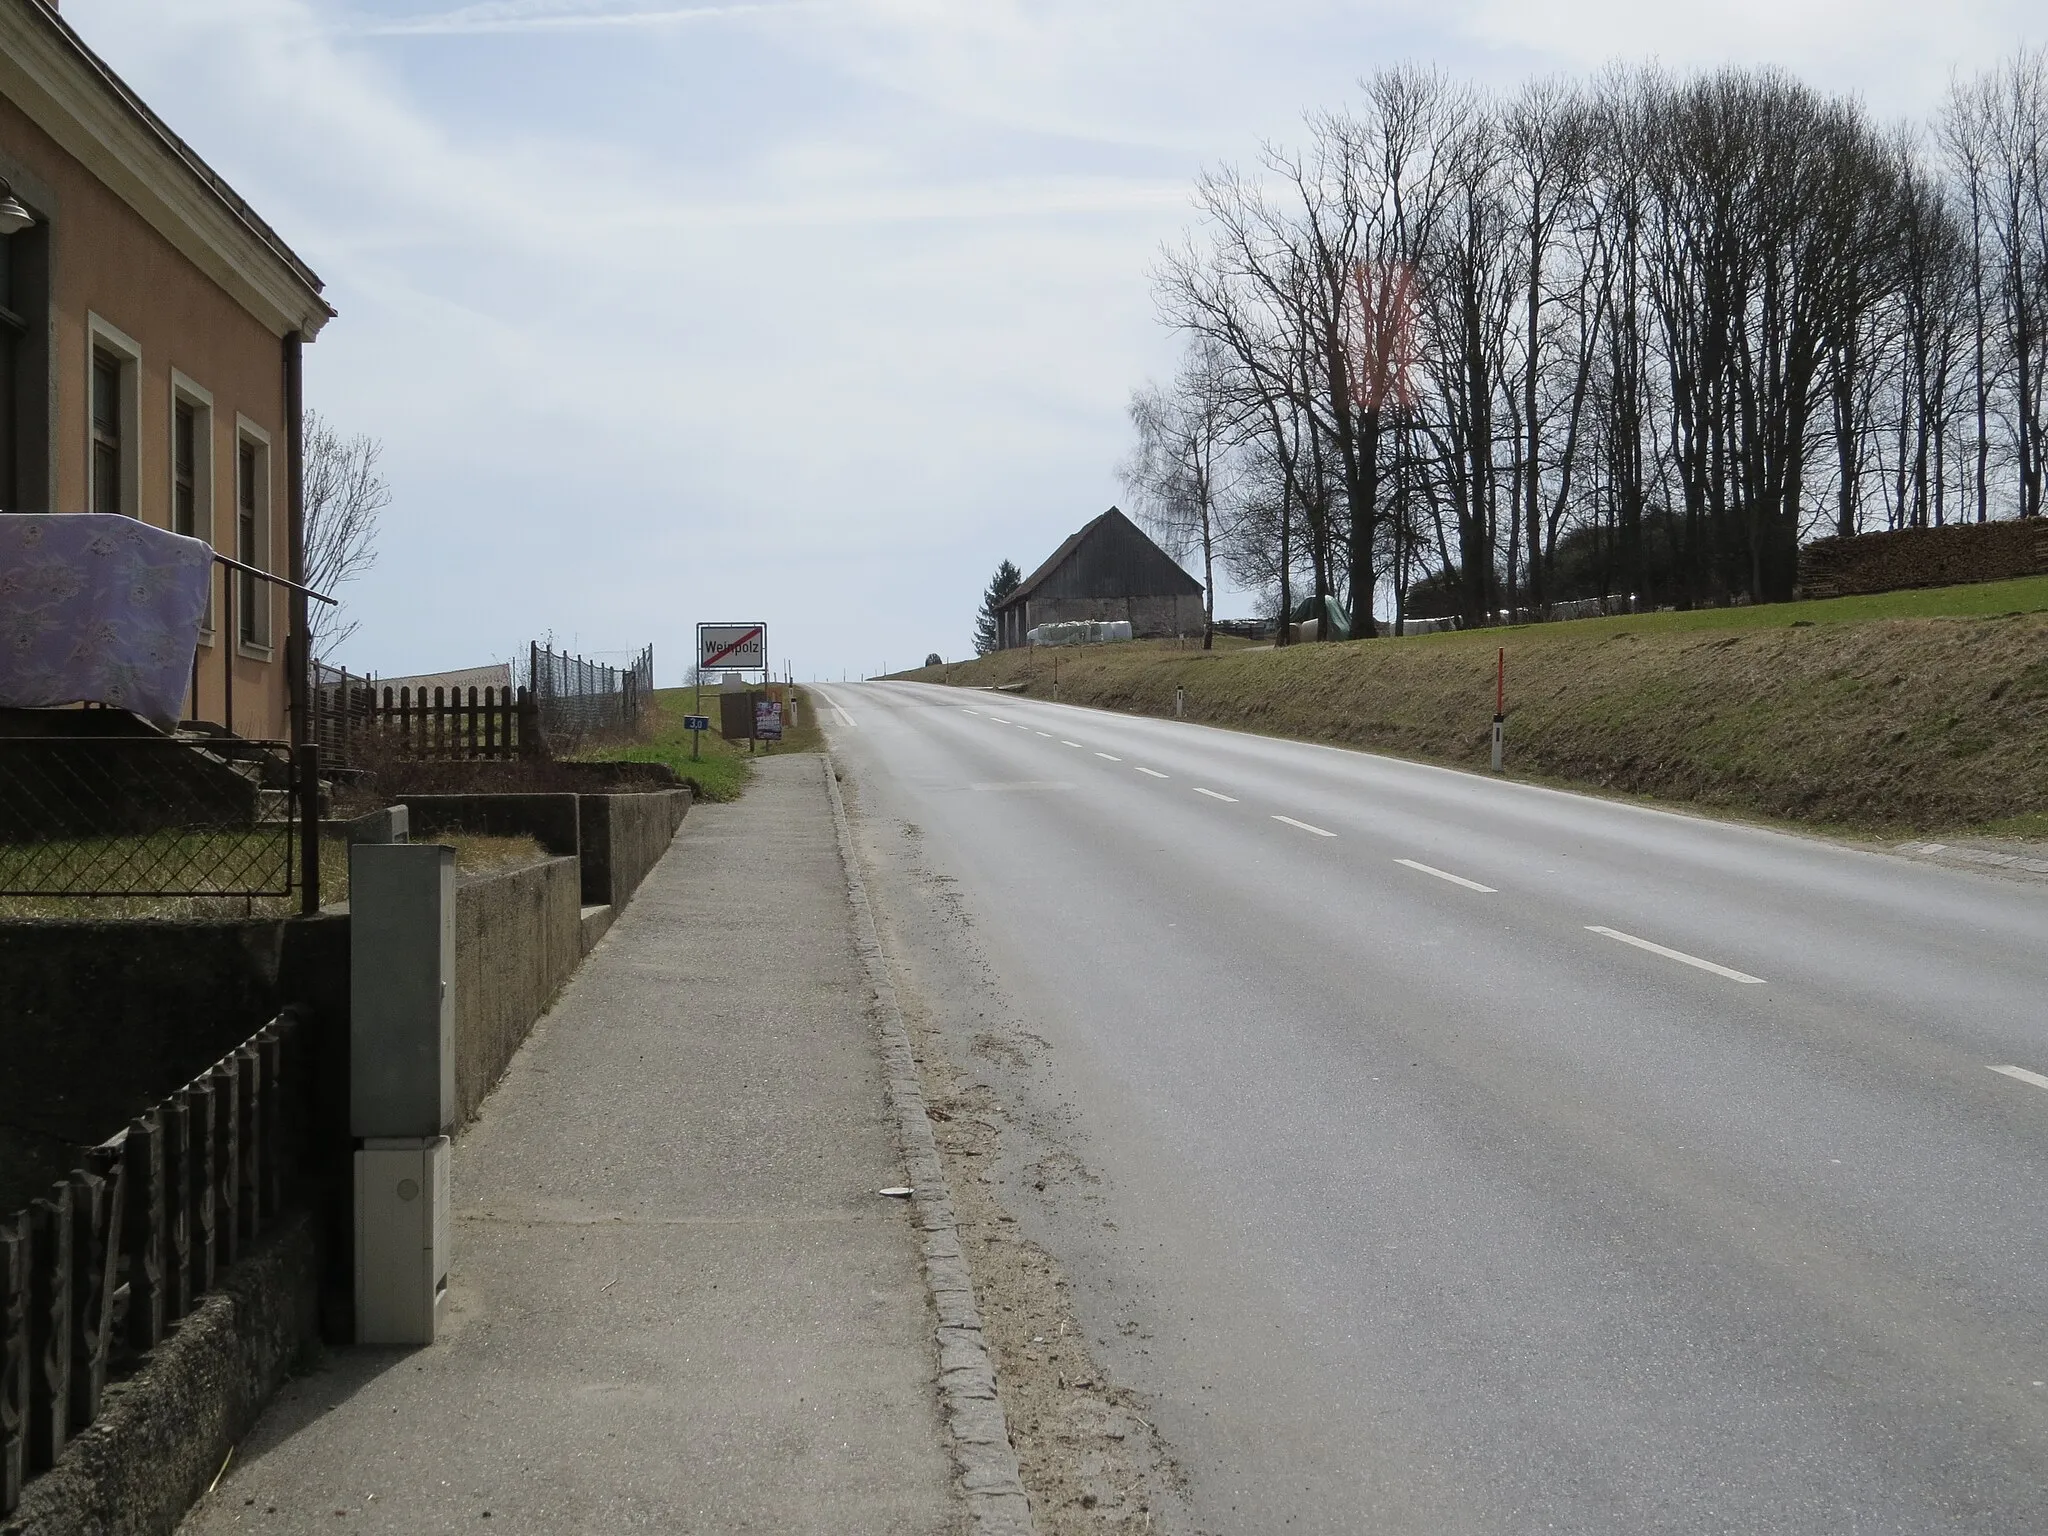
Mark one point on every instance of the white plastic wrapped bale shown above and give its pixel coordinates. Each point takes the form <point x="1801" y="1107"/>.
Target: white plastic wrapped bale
<point x="1080" y="632"/>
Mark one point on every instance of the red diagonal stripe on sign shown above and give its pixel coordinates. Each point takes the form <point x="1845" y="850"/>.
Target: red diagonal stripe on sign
<point x="739" y="644"/>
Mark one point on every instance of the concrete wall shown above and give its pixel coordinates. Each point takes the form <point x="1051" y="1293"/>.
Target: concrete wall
<point x="518" y="936"/>
<point x="618" y="837"/>
<point x="162" y="1437"/>
<point x="622" y="837"/>
<point x="549" y="820"/>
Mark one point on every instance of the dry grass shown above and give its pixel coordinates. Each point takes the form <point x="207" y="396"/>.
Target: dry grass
<point x="720" y="770"/>
<point x="474" y="855"/>
<point x="1886" y="725"/>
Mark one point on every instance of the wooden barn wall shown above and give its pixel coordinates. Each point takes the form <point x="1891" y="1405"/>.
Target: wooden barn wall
<point x="1114" y="562"/>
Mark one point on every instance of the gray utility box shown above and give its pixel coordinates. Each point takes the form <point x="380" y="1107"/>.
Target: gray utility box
<point x="402" y="1210"/>
<point x="402" y="989"/>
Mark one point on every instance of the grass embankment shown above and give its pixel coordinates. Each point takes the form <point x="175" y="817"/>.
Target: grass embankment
<point x="722" y="769"/>
<point x="1902" y="712"/>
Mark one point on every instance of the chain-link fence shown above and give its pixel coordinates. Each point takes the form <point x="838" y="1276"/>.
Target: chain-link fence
<point x="147" y="816"/>
<point x="579" y="699"/>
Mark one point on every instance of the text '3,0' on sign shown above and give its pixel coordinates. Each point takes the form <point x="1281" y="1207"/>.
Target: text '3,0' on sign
<point x="739" y="647"/>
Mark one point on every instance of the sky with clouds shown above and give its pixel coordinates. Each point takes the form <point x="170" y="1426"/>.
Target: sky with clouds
<point x="802" y="310"/>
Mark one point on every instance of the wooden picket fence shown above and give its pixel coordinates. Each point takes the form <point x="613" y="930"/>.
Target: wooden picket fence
<point x="355" y="721"/>
<point x="94" y="1273"/>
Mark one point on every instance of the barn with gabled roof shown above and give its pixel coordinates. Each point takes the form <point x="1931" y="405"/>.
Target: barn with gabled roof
<point x="1107" y="570"/>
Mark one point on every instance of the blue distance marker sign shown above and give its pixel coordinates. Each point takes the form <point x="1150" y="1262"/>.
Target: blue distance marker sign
<point x="696" y="722"/>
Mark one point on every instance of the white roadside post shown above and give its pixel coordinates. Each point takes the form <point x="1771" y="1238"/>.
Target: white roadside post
<point x="1180" y="703"/>
<point x="1500" y="704"/>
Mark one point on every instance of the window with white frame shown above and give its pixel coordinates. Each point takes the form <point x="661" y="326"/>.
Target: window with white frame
<point x="113" y="412"/>
<point x="191" y="460"/>
<point x="253" y="597"/>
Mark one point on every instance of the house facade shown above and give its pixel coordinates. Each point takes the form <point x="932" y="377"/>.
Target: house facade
<point x="151" y="326"/>
<point x="1108" y="569"/>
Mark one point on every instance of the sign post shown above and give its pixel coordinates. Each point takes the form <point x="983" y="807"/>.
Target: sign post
<point x="696" y="725"/>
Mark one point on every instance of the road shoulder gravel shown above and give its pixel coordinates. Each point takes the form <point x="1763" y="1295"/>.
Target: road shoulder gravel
<point x="1084" y="1446"/>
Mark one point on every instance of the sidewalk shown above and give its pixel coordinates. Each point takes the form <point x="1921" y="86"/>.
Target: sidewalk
<point x="677" y="1303"/>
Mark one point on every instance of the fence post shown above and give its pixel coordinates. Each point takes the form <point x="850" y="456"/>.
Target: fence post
<point x="200" y="1110"/>
<point x="95" y="1252"/>
<point x="14" y="1359"/>
<point x="252" y="1111"/>
<point x="143" y="1217"/>
<point x="308" y="772"/>
<point x="49" y="1342"/>
<point x="227" y="1161"/>
<point x="531" y="749"/>
<point x="175" y="1113"/>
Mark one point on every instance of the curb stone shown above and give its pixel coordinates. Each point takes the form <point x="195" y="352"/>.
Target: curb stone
<point x="982" y="1453"/>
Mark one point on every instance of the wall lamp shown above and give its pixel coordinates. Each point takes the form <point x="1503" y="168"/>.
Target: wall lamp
<point x="13" y="217"/>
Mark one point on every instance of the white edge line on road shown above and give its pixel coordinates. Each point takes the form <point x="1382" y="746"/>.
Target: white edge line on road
<point x="1155" y="773"/>
<point x="1110" y="755"/>
<point x="839" y="710"/>
<point x="1675" y="954"/>
<point x="1213" y="795"/>
<point x="1072" y="744"/>
<point x="1445" y="874"/>
<point x="2023" y="1075"/>
<point x="1306" y="827"/>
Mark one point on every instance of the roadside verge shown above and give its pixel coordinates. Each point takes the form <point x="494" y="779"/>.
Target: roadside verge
<point x="982" y="1453"/>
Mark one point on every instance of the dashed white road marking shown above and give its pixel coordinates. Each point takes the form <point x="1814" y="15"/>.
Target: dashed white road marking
<point x="1675" y="954"/>
<point x="2023" y="1075"/>
<point x="1110" y="755"/>
<point x="1046" y="734"/>
<point x="1155" y="773"/>
<point x="1213" y="795"/>
<point x="1305" y="826"/>
<point x="970" y="709"/>
<point x="1065" y="743"/>
<point x="1445" y="874"/>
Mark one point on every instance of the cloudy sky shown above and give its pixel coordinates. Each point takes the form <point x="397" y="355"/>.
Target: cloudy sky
<point x="801" y="310"/>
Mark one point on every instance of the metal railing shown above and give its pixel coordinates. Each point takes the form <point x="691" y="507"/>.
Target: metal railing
<point x="94" y="1272"/>
<point x="136" y="815"/>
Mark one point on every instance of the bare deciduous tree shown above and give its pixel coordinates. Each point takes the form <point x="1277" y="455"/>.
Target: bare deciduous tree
<point x="346" y="494"/>
<point x="1172" y="471"/>
<point x="1641" y="336"/>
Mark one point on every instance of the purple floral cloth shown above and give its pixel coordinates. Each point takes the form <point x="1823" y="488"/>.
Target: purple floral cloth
<point x="99" y="608"/>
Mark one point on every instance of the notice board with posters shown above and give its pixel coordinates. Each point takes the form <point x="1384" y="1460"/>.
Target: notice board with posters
<point x="767" y="718"/>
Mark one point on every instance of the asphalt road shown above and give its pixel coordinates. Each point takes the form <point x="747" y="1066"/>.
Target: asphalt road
<point x="1469" y="1156"/>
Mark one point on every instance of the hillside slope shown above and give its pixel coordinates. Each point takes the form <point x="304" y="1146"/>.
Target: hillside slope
<point x="1880" y="724"/>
